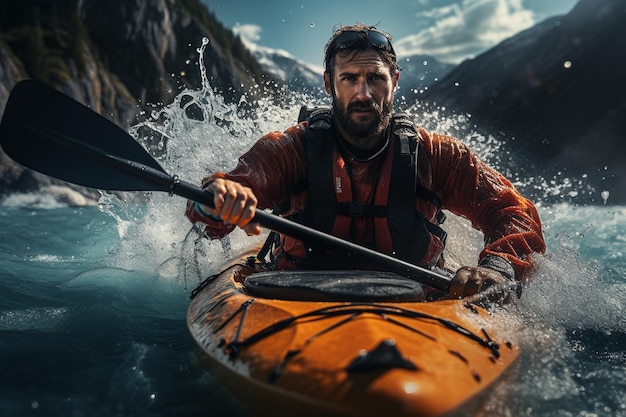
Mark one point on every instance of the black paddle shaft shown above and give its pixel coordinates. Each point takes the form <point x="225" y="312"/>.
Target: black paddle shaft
<point x="49" y="132"/>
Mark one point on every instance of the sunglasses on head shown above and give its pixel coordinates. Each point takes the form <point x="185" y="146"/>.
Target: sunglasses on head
<point x="375" y="38"/>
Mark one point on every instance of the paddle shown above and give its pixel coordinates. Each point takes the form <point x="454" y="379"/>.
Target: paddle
<point x="49" y="132"/>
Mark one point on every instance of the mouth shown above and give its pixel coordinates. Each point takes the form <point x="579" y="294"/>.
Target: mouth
<point x="362" y="108"/>
<point x="362" y="111"/>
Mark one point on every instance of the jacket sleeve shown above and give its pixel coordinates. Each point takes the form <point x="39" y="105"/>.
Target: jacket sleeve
<point x="270" y="168"/>
<point x="470" y="188"/>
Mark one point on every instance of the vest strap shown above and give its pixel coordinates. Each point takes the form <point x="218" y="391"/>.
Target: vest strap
<point x="356" y="209"/>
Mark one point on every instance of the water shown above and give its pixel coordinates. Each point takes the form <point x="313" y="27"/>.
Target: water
<point x="93" y="299"/>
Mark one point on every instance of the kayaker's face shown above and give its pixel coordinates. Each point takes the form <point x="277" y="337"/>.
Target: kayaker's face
<point x="362" y="89"/>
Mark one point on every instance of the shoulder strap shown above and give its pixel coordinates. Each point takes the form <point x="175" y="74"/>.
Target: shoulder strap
<point x="406" y="132"/>
<point x="313" y="114"/>
<point x="319" y="119"/>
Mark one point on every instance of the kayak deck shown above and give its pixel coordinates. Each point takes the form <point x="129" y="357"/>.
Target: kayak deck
<point x="344" y="358"/>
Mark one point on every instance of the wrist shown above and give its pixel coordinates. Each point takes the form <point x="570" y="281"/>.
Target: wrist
<point x="500" y="265"/>
<point x="504" y="268"/>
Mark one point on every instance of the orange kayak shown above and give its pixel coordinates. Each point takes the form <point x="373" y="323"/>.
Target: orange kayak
<point x="343" y="343"/>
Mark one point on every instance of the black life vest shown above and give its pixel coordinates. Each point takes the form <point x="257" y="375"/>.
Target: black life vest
<point x="400" y="229"/>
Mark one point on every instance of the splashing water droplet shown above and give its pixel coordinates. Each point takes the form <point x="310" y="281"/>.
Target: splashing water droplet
<point x="605" y="196"/>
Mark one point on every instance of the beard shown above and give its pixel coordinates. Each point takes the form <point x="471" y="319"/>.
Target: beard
<point x="362" y="129"/>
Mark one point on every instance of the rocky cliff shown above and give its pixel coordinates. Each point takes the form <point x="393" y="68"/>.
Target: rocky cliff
<point x="117" y="57"/>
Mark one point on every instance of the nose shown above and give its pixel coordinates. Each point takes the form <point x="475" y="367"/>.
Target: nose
<point x="364" y="91"/>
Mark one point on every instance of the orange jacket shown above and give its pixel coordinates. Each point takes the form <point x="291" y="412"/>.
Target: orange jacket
<point x="465" y="185"/>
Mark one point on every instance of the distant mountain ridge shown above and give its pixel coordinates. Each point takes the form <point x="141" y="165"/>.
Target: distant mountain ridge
<point x="418" y="72"/>
<point x="296" y="74"/>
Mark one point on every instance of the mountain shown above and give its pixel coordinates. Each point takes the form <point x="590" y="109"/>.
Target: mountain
<point x="419" y="72"/>
<point x="296" y="74"/>
<point x="117" y="57"/>
<point x="556" y="92"/>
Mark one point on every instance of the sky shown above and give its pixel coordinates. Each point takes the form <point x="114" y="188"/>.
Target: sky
<point x="449" y="30"/>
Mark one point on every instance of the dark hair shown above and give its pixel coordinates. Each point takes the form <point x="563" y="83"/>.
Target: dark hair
<point x="360" y="42"/>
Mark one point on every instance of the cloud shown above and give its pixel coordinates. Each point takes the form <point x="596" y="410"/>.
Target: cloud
<point x="248" y="32"/>
<point x="465" y="29"/>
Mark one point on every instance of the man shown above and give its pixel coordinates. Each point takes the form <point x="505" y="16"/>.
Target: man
<point x="345" y="172"/>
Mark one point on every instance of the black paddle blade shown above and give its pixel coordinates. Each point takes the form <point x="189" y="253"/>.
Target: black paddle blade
<point x="49" y="132"/>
